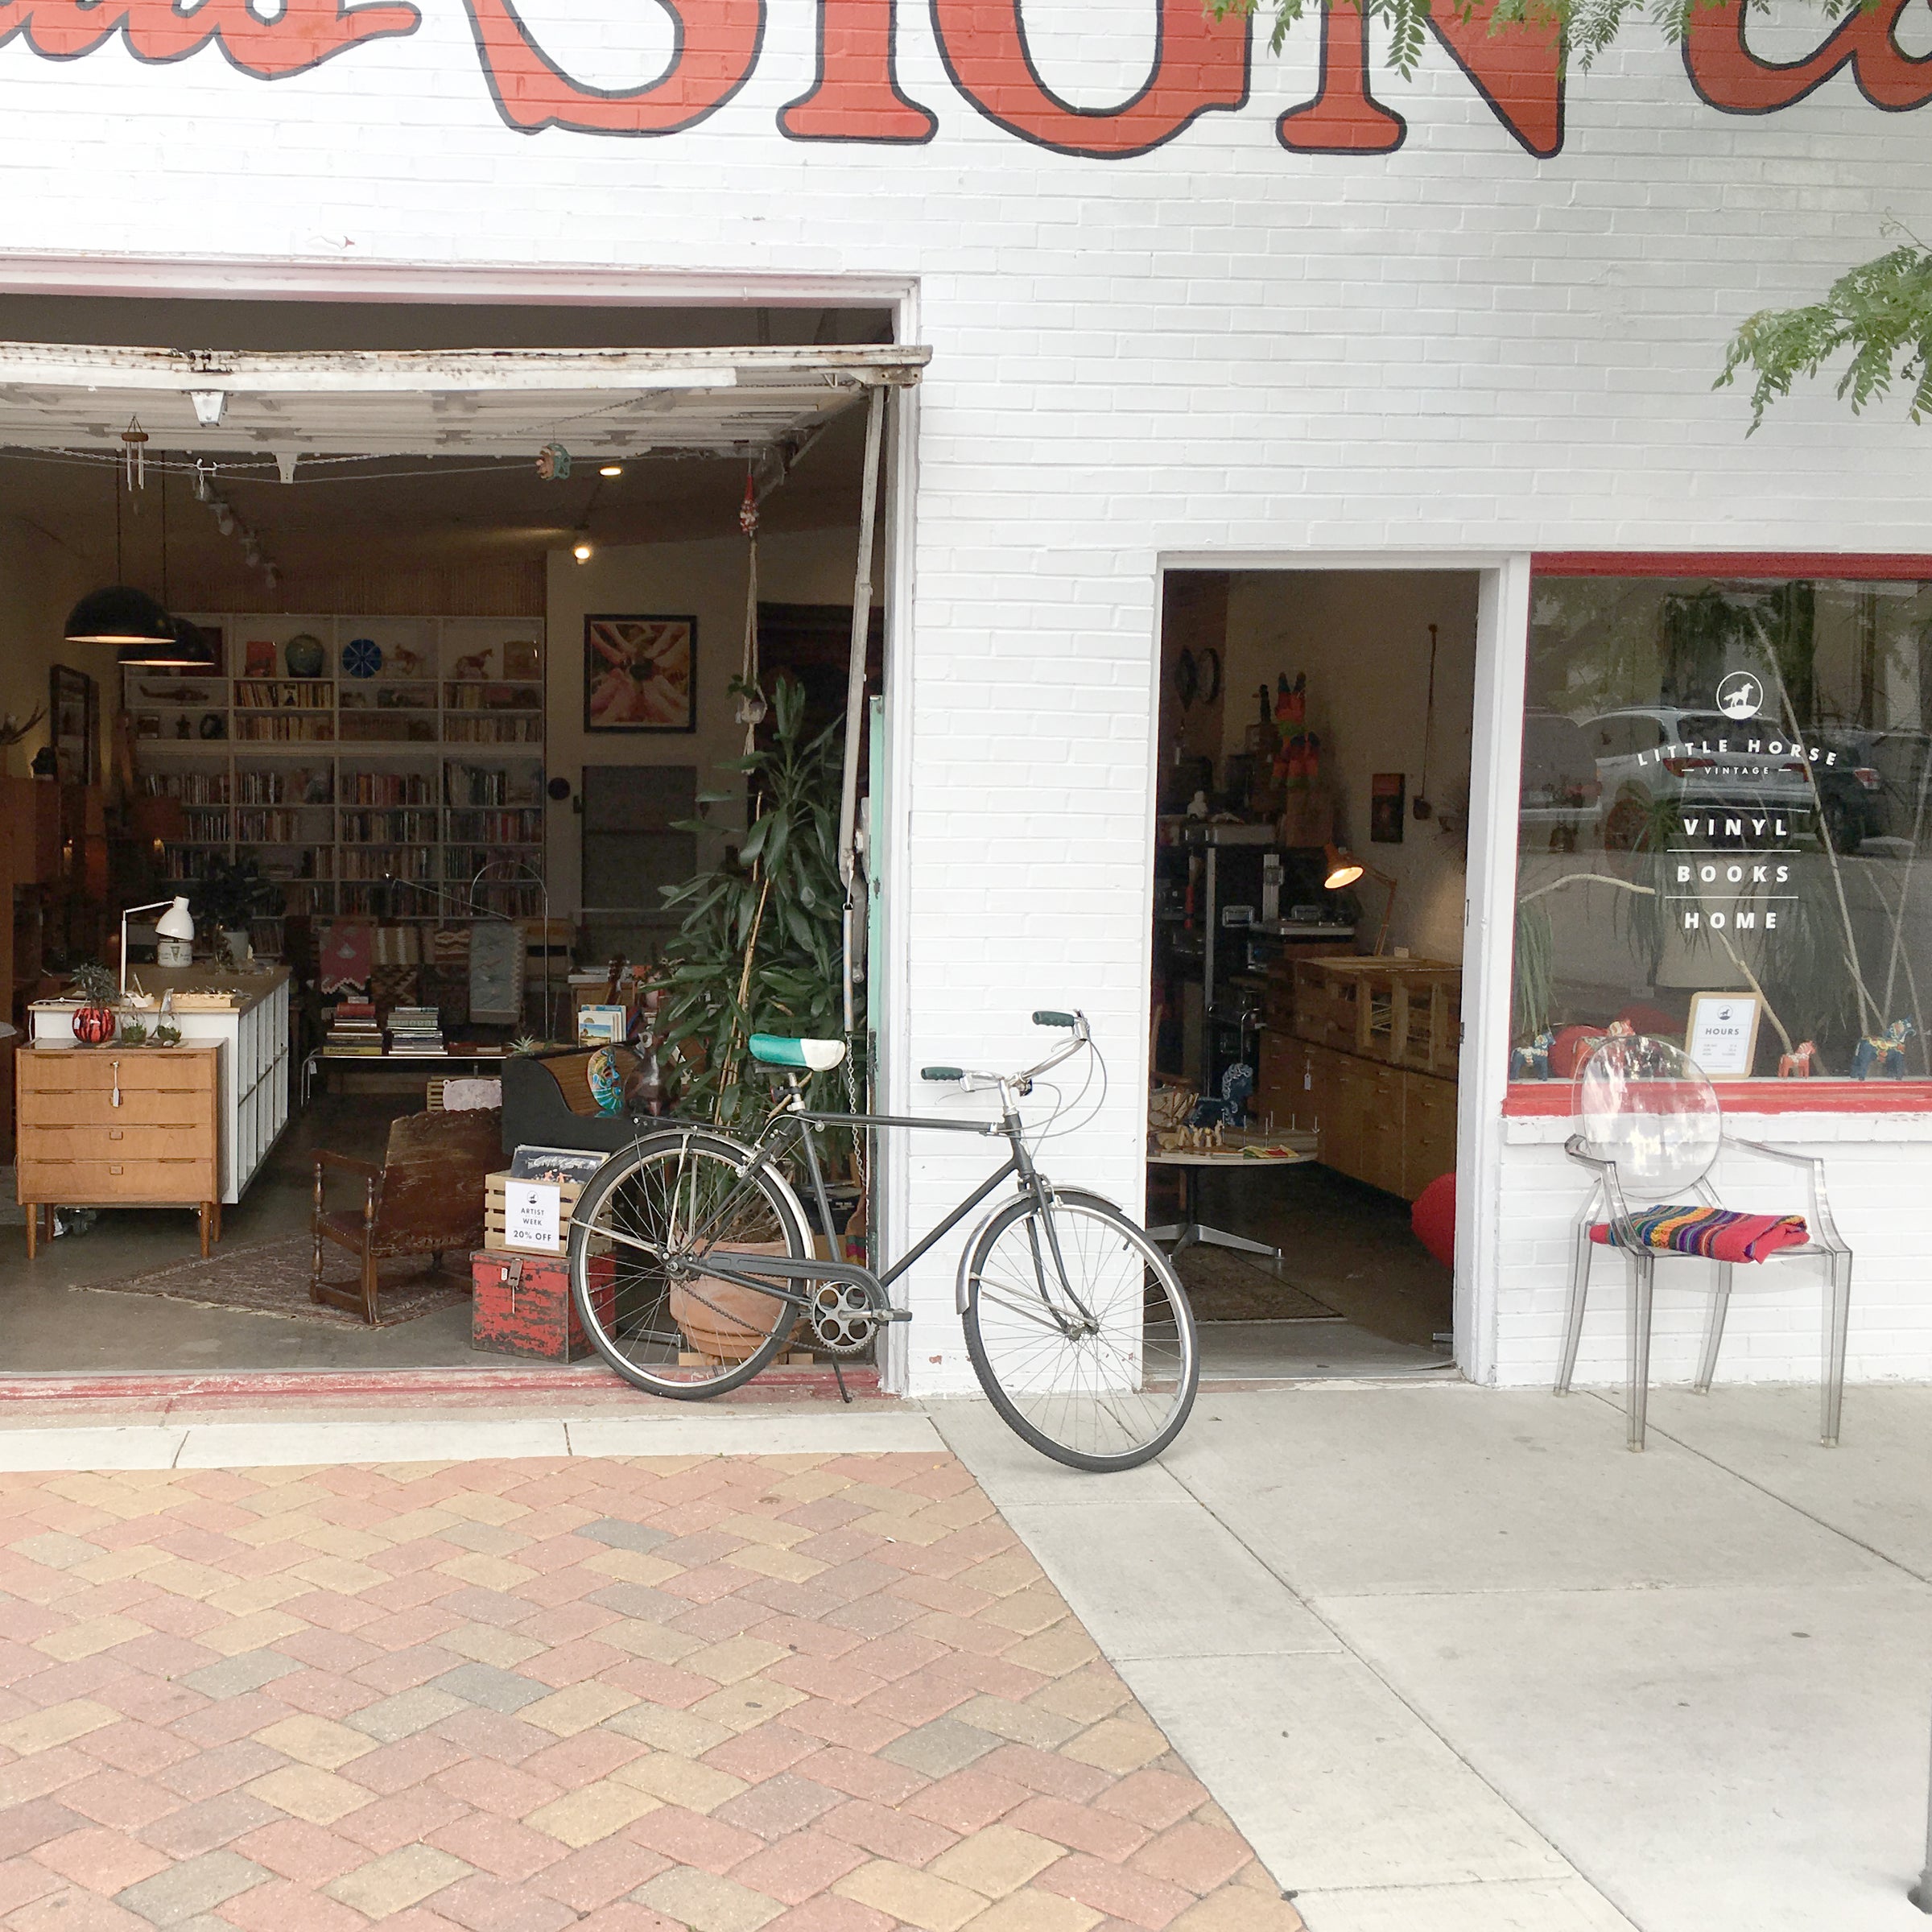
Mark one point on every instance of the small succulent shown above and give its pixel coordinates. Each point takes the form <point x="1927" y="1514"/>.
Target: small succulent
<point x="166" y="1034"/>
<point x="94" y="984"/>
<point x="134" y="1031"/>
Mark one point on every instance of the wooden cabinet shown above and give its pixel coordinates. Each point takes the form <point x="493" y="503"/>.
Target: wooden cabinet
<point x="1384" y="1125"/>
<point x="1429" y="1144"/>
<point x="115" y="1127"/>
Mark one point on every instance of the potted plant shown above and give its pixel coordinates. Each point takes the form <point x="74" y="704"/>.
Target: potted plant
<point x="233" y="893"/>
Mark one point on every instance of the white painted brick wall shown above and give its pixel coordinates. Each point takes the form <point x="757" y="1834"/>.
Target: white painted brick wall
<point x="1878" y="1172"/>
<point x="1219" y="345"/>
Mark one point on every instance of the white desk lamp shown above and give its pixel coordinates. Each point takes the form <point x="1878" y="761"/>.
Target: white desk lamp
<point x="175" y="929"/>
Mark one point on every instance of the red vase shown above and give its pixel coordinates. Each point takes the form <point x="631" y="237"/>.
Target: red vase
<point x="94" y="1025"/>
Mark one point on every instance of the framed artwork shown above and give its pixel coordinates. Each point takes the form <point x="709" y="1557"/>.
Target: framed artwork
<point x="640" y="673"/>
<point x="73" y="712"/>
<point x="1387" y="794"/>
<point x="1723" y="1034"/>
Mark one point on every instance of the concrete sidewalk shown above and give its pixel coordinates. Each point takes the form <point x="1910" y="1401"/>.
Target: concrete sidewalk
<point x="1454" y="1660"/>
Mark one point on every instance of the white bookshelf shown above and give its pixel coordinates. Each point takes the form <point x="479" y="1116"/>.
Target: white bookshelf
<point x="383" y="793"/>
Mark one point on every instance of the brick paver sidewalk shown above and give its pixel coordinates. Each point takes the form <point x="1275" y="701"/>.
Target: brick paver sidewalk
<point x="806" y="1694"/>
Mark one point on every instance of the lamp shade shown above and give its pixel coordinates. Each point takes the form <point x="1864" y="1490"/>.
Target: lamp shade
<point x="175" y="924"/>
<point x="118" y="614"/>
<point x="1340" y="868"/>
<point x="187" y="649"/>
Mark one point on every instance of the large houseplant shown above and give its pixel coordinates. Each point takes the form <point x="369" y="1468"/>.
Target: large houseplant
<point x="759" y="949"/>
<point x="234" y="892"/>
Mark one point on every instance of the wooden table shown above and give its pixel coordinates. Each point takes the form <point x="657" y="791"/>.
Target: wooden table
<point x="118" y="1127"/>
<point x="1190" y="1231"/>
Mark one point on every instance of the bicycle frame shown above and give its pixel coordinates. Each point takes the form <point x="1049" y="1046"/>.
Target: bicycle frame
<point x="799" y="1123"/>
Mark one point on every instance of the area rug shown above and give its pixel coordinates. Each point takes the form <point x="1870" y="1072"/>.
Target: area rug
<point x="1225" y="1286"/>
<point x="271" y="1277"/>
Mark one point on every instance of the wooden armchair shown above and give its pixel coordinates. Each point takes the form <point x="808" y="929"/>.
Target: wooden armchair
<point x="426" y="1198"/>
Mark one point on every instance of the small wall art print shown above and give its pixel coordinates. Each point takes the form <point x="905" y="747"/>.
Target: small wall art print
<point x="640" y="673"/>
<point x="1388" y="792"/>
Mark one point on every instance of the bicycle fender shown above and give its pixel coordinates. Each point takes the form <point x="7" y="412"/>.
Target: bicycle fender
<point x="962" y="1288"/>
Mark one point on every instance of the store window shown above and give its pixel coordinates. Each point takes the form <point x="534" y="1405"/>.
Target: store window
<point x="1723" y="815"/>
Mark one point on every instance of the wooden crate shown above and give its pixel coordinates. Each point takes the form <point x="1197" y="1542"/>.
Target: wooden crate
<point x="495" y="1224"/>
<point x="1404" y="1012"/>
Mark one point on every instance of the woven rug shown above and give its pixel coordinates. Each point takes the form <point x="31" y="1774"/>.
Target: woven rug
<point x="1225" y="1286"/>
<point x="271" y="1277"/>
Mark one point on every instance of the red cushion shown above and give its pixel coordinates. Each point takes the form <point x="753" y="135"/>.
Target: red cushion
<point x="1568" y="1048"/>
<point x="1433" y="1217"/>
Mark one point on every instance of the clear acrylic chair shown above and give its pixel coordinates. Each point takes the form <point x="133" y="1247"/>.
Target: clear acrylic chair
<point x="1652" y="1131"/>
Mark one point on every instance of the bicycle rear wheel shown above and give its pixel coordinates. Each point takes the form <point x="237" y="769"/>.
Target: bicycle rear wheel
<point x="1096" y="1367"/>
<point x="639" y="1238"/>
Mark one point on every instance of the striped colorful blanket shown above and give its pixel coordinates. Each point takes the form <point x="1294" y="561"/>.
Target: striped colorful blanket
<point x="1714" y="1232"/>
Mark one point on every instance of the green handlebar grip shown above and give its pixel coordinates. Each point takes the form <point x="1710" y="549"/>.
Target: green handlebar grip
<point x="1045" y="1018"/>
<point x="941" y="1073"/>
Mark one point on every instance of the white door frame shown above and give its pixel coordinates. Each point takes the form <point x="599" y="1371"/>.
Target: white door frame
<point x="1495" y="751"/>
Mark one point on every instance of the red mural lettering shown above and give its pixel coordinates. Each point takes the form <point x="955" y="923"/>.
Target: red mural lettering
<point x="1518" y="72"/>
<point x="1199" y="63"/>
<point x="305" y="33"/>
<point x="1727" y="75"/>
<point x="856" y="96"/>
<point x="717" y="44"/>
<point x="1343" y="117"/>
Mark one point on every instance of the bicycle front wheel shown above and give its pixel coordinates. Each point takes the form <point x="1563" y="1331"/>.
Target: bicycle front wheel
<point x="639" y="1238"/>
<point x="1080" y="1333"/>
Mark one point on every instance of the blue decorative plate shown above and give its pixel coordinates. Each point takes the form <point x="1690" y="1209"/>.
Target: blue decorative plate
<point x="361" y="657"/>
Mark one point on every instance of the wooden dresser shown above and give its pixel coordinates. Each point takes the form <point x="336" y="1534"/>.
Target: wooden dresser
<point x="118" y="1127"/>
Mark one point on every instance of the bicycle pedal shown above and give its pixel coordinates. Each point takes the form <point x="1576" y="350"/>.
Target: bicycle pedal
<point x="892" y="1314"/>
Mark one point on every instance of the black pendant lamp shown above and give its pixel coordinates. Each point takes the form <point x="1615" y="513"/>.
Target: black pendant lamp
<point x="187" y="649"/>
<point x="120" y="614"/>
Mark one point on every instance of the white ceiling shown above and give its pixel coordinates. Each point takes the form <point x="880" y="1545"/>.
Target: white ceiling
<point x="488" y="401"/>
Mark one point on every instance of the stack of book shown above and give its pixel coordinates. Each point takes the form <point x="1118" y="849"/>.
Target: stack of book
<point x="353" y="1029"/>
<point x="414" y="1029"/>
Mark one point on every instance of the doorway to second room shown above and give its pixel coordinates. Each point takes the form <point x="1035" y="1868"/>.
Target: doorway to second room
<point x="1311" y="834"/>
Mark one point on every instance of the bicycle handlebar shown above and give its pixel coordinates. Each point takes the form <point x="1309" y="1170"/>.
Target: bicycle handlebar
<point x="1021" y="1082"/>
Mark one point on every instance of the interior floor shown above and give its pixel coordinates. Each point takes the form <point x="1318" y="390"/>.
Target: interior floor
<point x="50" y="1323"/>
<point x="1355" y="1293"/>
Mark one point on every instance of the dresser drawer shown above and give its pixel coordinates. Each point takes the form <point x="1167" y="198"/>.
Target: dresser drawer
<point x="54" y="1140"/>
<point x="78" y="1182"/>
<point x="85" y="1070"/>
<point x="93" y="1107"/>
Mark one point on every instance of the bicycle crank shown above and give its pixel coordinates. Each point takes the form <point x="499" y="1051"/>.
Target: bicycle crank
<point x="843" y="1318"/>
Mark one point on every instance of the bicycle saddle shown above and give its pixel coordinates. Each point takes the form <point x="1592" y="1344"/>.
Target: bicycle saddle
<point x="780" y="1050"/>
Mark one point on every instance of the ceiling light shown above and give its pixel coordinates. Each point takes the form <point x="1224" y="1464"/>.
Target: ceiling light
<point x="186" y="649"/>
<point x="118" y="614"/>
<point x="610" y="469"/>
<point x="581" y="549"/>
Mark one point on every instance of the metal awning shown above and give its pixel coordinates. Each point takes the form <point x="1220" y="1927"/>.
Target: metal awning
<point x="495" y="402"/>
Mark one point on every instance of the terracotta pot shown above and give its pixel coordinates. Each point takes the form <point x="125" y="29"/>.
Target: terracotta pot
<point x="722" y="1318"/>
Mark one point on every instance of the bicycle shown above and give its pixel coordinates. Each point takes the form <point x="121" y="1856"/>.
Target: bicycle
<point x="691" y="1262"/>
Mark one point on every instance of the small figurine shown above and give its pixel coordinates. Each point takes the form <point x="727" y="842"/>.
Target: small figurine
<point x="1881" y="1056"/>
<point x="1798" y="1066"/>
<point x="473" y="668"/>
<point x="1532" y="1062"/>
